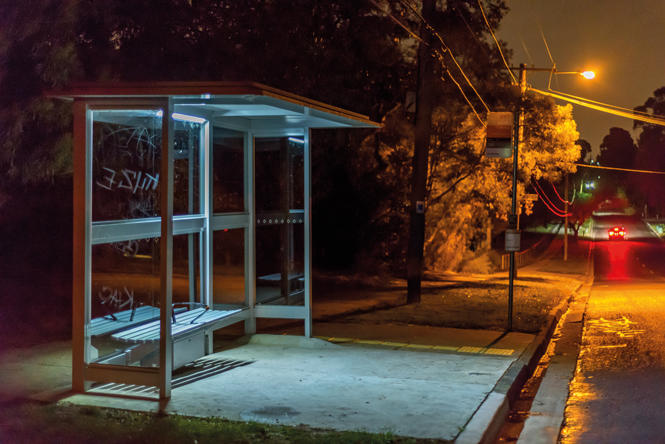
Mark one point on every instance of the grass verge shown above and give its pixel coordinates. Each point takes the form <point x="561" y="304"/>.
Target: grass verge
<point x="28" y="422"/>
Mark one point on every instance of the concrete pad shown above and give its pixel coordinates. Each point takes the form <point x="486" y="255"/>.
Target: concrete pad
<point x="424" y="335"/>
<point x="292" y="381"/>
<point x="34" y="372"/>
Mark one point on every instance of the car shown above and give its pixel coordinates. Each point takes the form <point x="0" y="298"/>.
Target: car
<point x="616" y="233"/>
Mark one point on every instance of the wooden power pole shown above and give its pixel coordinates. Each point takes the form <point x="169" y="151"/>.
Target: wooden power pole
<point x="423" y="128"/>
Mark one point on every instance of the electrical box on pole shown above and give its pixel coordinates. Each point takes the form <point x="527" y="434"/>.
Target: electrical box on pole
<point x="512" y="240"/>
<point x="499" y="135"/>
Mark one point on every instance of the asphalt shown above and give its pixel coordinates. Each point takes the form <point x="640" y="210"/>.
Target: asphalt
<point x="417" y="381"/>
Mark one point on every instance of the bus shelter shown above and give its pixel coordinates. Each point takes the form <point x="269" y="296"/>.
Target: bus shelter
<point x="192" y="212"/>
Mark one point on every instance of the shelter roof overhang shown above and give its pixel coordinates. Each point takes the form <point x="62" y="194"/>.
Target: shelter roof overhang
<point x="249" y="104"/>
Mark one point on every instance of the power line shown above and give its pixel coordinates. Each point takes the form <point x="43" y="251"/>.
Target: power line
<point x="439" y="57"/>
<point x="558" y="195"/>
<point x="621" y="108"/>
<point x="630" y="170"/>
<point x="482" y="122"/>
<point x="553" y="211"/>
<point x="655" y="120"/>
<point x="403" y="26"/>
<point x="446" y="48"/>
<point x="544" y="196"/>
<point x="526" y="50"/>
<point x="547" y="47"/>
<point x="480" y="5"/>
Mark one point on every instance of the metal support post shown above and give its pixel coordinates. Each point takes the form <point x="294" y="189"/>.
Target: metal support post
<point x="565" y="223"/>
<point x="513" y="204"/>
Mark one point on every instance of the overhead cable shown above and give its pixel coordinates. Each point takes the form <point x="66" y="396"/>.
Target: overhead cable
<point x="547" y="47"/>
<point x="439" y="56"/>
<point x="401" y="25"/>
<point x="557" y="194"/>
<point x="655" y="120"/>
<point x="552" y="210"/>
<point x="512" y="76"/>
<point x="545" y="197"/>
<point x="629" y="110"/>
<point x="446" y="48"/>
<point x="630" y="170"/>
<point x="482" y="122"/>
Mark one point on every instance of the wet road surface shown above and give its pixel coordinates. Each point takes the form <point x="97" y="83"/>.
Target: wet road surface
<point x="618" y="393"/>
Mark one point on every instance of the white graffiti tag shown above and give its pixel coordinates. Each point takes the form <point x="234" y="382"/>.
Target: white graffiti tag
<point x="114" y="298"/>
<point x="129" y="180"/>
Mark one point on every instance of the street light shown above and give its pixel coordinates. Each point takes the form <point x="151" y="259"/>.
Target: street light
<point x="512" y="222"/>
<point x="586" y="74"/>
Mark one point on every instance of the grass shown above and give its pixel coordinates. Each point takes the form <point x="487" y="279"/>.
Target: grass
<point x="26" y="422"/>
<point x="657" y="227"/>
<point x="474" y="306"/>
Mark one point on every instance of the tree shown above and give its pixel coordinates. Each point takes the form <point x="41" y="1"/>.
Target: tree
<point x="650" y="188"/>
<point x="465" y="189"/>
<point x="585" y="149"/>
<point x="48" y="44"/>
<point x="435" y="53"/>
<point x="617" y="150"/>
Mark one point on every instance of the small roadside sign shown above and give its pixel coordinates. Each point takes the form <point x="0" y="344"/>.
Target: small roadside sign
<point x="499" y="143"/>
<point x="512" y="240"/>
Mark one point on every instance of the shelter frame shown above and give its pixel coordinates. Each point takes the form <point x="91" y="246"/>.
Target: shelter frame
<point x="279" y="124"/>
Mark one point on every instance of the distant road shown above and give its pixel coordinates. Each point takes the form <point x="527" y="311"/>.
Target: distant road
<point x="617" y="394"/>
<point x="639" y="256"/>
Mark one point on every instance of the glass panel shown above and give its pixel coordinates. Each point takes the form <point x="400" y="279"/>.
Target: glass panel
<point x="279" y="174"/>
<point x="126" y="152"/>
<point x="186" y="271"/>
<point x="187" y="149"/>
<point x="279" y="264"/>
<point x="279" y="232"/>
<point x="125" y="307"/>
<point x="228" y="251"/>
<point x="296" y="173"/>
<point x="124" y="303"/>
<point x="269" y="178"/>
<point x="228" y="171"/>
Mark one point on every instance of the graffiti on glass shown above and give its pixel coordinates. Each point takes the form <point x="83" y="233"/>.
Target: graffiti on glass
<point x="129" y="180"/>
<point x="116" y="299"/>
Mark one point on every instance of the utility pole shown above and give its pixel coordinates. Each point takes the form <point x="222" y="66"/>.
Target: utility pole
<point x="565" y="223"/>
<point x="512" y="219"/>
<point x="423" y="128"/>
<point x="513" y="206"/>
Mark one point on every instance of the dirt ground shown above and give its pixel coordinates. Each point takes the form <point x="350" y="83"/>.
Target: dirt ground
<point x="38" y="312"/>
<point x="466" y="302"/>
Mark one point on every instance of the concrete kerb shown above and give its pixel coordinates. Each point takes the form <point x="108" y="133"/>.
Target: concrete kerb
<point x="486" y="422"/>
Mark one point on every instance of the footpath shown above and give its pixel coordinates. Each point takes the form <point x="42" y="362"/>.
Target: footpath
<point x="450" y="384"/>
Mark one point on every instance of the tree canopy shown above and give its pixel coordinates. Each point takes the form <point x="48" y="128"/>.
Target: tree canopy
<point x="348" y="53"/>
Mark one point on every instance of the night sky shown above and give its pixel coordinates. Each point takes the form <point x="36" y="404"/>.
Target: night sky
<point x="623" y="41"/>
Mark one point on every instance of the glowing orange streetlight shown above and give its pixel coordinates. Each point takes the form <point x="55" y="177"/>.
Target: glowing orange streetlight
<point x="588" y="74"/>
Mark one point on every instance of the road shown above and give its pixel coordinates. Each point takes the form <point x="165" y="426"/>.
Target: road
<point x="618" y="393"/>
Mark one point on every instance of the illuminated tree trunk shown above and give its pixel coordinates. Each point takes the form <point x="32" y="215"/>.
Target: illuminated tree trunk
<point x="423" y="127"/>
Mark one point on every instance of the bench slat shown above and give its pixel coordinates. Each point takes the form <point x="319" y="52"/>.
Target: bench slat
<point x="149" y="332"/>
<point x="104" y="325"/>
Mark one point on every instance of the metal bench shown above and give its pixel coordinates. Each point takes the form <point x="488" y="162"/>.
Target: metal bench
<point x="275" y="280"/>
<point x="191" y="333"/>
<point x="125" y="319"/>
